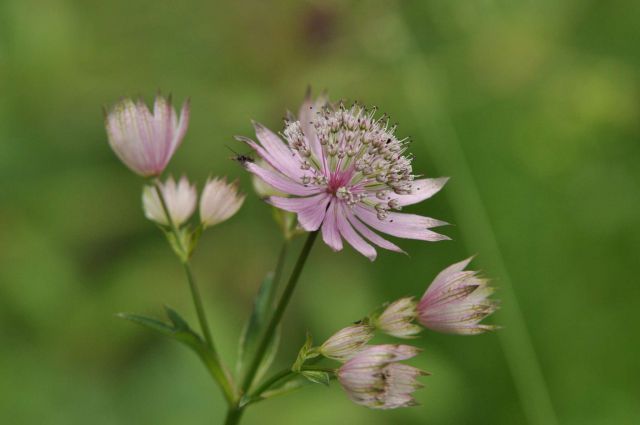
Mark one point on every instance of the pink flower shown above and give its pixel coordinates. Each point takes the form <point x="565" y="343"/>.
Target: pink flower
<point x="219" y="201"/>
<point x="347" y="342"/>
<point x="397" y="319"/>
<point x="457" y="301"/>
<point x="146" y="141"/>
<point x="346" y="173"/>
<point x="375" y="378"/>
<point x="180" y="199"/>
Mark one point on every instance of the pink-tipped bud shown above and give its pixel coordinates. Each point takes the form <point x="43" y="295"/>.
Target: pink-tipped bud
<point x="346" y="342"/>
<point x="219" y="201"/>
<point x="397" y="319"/>
<point x="146" y="141"/>
<point x="457" y="301"/>
<point x="374" y="377"/>
<point x="180" y="199"/>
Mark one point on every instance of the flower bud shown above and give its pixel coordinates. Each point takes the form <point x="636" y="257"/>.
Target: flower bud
<point x="346" y="342"/>
<point x="456" y="302"/>
<point x="179" y="198"/>
<point x="145" y="141"/>
<point x="397" y="319"/>
<point x="374" y="377"/>
<point x="219" y="201"/>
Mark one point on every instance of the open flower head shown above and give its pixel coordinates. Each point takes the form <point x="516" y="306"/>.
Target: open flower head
<point x="180" y="199"/>
<point x="347" y="342"/>
<point x="145" y="141"/>
<point x="457" y="301"/>
<point x="398" y="317"/>
<point x="346" y="173"/>
<point x="375" y="378"/>
<point x="219" y="201"/>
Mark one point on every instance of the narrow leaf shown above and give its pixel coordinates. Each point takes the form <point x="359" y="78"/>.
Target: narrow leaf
<point x="269" y="355"/>
<point x="303" y="354"/>
<point x="252" y="330"/>
<point x="317" y="376"/>
<point x="148" y="322"/>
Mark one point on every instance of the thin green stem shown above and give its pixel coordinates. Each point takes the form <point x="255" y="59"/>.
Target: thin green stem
<point x="280" y="377"/>
<point x="235" y="412"/>
<point x="422" y="82"/>
<point x="277" y="274"/>
<point x="233" y="415"/>
<point x="279" y="312"/>
<point x="285" y="373"/>
<point x="212" y="360"/>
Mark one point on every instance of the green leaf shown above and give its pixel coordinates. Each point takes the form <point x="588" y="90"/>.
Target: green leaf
<point x="307" y="351"/>
<point x="317" y="376"/>
<point x="286" y="388"/>
<point x="178" y="322"/>
<point x="269" y="355"/>
<point x="148" y="322"/>
<point x="253" y="329"/>
<point x="180" y="331"/>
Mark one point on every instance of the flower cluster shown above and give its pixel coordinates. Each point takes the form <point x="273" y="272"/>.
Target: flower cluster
<point x="375" y="377"/>
<point x="345" y="172"/>
<point x="455" y="302"/>
<point x="145" y="142"/>
<point x="335" y="169"/>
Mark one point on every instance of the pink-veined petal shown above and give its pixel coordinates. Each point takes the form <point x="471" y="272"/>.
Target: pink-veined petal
<point x="445" y="275"/>
<point x="289" y="165"/>
<point x="311" y="210"/>
<point x="272" y="143"/>
<point x="180" y="128"/>
<point x="398" y="228"/>
<point x="373" y="236"/>
<point x="330" y="233"/>
<point x="420" y="190"/>
<point x="350" y="235"/>
<point x="306" y="116"/>
<point x="281" y="182"/>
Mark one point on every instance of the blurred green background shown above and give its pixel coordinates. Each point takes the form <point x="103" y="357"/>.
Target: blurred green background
<point x="531" y="107"/>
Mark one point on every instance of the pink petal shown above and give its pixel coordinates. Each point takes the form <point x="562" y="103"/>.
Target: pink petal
<point x="311" y="210"/>
<point x="306" y="116"/>
<point x="289" y="165"/>
<point x="283" y="158"/>
<point x="420" y="190"/>
<point x="411" y="227"/>
<point x="280" y="182"/>
<point x="181" y="127"/>
<point x="445" y="275"/>
<point x="330" y="233"/>
<point x="372" y="236"/>
<point x="350" y="235"/>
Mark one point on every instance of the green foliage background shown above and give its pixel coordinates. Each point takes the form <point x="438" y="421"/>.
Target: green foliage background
<point x="531" y="107"/>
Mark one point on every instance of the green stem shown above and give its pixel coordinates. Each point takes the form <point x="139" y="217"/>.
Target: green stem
<point x="279" y="312"/>
<point x="515" y="339"/>
<point x="212" y="360"/>
<point x="285" y="373"/>
<point x="277" y="274"/>
<point x="233" y="415"/>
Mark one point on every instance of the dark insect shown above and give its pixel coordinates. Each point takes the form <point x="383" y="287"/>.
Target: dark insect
<point x="241" y="158"/>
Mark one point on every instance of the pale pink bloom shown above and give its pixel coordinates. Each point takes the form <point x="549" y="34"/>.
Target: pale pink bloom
<point x="456" y="302"/>
<point x="347" y="342"/>
<point x="375" y="378"/>
<point x="146" y="141"/>
<point x="346" y="173"/>
<point x="219" y="201"/>
<point x="180" y="199"/>
<point x="397" y="319"/>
